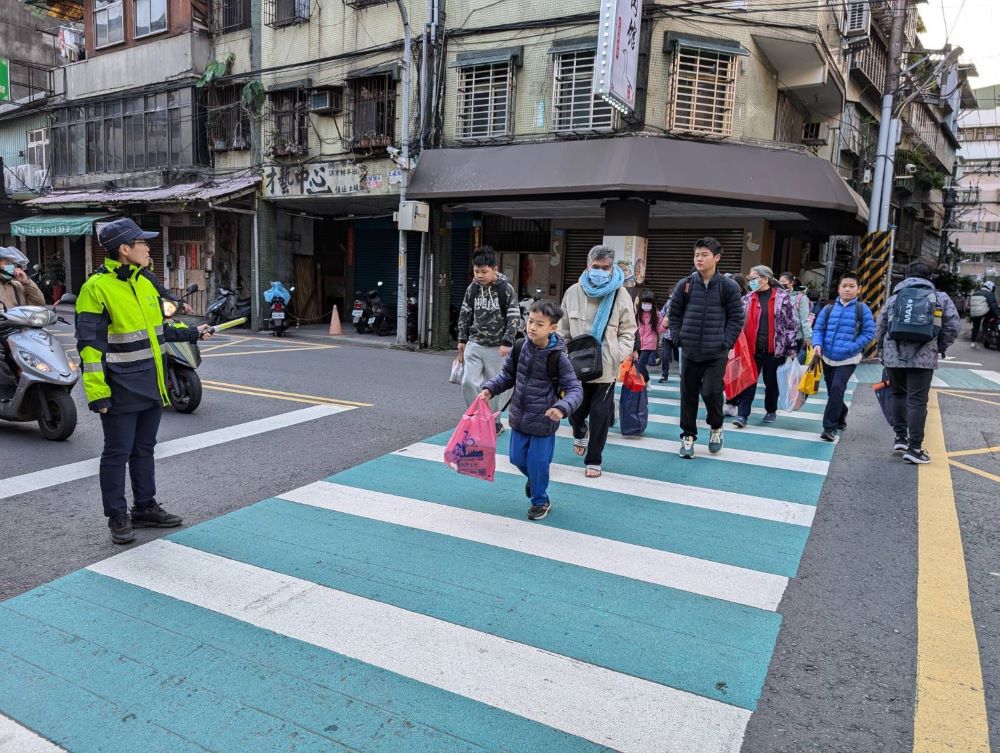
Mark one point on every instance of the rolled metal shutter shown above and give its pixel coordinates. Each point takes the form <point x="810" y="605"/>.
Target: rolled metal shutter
<point x="578" y="245"/>
<point x="671" y="252"/>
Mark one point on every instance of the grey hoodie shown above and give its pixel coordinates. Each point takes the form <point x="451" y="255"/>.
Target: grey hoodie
<point x="481" y="319"/>
<point x="904" y="355"/>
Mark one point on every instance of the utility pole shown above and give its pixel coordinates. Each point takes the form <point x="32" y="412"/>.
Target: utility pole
<point x="889" y="127"/>
<point x="401" y="294"/>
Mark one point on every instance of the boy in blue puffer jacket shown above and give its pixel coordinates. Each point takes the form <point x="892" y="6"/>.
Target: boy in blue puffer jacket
<point x="539" y="371"/>
<point x="841" y="333"/>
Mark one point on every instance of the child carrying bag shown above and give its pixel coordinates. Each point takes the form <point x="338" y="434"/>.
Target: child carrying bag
<point x="472" y="449"/>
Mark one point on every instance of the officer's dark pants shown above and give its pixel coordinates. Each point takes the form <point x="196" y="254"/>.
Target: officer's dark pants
<point x="129" y="438"/>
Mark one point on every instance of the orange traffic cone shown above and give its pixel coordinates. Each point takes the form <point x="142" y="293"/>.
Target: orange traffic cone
<point x="335" y="323"/>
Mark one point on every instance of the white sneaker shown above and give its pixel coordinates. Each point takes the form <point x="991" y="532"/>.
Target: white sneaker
<point x="973" y="346"/>
<point x="715" y="441"/>
<point x="731" y="410"/>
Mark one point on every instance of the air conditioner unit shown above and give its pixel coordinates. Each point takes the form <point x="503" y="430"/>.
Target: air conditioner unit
<point x="815" y="134"/>
<point x="327" y="101"/>
<point x="858" y="19"/>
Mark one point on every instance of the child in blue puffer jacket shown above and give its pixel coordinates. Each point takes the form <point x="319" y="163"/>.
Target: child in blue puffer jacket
<point x="841" y="333"/>
<point x="546" y="390"/>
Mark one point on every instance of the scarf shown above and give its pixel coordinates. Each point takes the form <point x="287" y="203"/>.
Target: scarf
<point x="607" y="294"/>
<point x="753" y="321"/>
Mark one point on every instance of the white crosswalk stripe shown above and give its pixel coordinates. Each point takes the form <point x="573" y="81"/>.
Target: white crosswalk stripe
<point x="17" y="739"/>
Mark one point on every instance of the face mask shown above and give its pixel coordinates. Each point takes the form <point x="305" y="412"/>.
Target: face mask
<point x="8" y="269"/>
<point x="753" y="284"/>
<point x="599" y="277"/>
<point x="647" y="307"/>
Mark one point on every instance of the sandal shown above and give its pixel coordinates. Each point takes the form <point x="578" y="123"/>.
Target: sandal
<point x="580" y="446"/>
<point x="593" y="471"/>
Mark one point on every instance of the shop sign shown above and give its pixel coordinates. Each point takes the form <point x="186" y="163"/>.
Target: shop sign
<point x="320" y="179"/>
<point x="4" y="80"/>
<point x="617" y="61"/>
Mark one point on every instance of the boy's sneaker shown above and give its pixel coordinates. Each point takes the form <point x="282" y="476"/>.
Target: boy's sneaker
<point x="828" y="435"/>
<point x="537" y="512"/>
<point x="715" y="441"/>
<point x="662" y="380"/>
<point x="770" y="418"/>
<point x="916" y="456"/>
<point x="154" y="516"/>
<point x="841" y="427"/>
<point x="730" y="410"/>
<point x="121" y="529"/>
<point x="740" y="422"/>
<point x="900" y="446"/>
<point x="687" y="448"/>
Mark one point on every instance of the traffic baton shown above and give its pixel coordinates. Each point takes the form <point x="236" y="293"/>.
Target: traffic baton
<point x="228" y="325"/>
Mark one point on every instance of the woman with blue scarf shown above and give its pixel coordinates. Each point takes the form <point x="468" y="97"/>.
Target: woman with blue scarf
<point x="599" y="305"/>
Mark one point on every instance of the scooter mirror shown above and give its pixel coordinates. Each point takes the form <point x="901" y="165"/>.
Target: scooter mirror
<point x="192" y="288"/>
<point x="68" y="298"/>
<point x="291" y="289"/>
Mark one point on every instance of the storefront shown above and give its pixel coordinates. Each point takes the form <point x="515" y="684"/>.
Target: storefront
<point x="61" y="245"/>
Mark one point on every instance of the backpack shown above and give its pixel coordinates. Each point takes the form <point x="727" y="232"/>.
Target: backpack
<point x="978" y="306"/>
<point x="551" y="367"/>
<point x="915" y="315"/>
<point x="858" y="325"/>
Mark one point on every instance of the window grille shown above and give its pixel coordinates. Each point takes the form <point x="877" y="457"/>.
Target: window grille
<point x="109" y="26"/>
<point x="575" y="107"/>
<point x="230" y="15"/>
<point x="228" y="120"/>
<point x="484" y="100"/>
<point x="289" y="123"/>
<point x="285" y="12"/>
<point x="704" y="91"/>
<point x="373" y="112"/>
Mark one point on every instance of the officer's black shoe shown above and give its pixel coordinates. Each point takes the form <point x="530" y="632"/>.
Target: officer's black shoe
<point x="154" y="516"/>
<point x="121" y="529"/>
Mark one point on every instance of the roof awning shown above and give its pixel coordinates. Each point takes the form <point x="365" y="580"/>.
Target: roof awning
<point x="184" y="192"/>
<point x="652" y="167"/>
<point x="55" y="224"/>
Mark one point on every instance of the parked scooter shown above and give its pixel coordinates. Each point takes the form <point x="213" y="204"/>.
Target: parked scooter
<point x="44" y="375"/>
<point x="374" y="317"/>
<point x="183" y="382"/>
<point x="278" y="297"/>
<point x="227" y="306"/>
<point x="412" y="312"/>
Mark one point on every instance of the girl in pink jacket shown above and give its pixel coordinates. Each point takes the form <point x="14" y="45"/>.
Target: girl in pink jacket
<point x="651" y="326"/>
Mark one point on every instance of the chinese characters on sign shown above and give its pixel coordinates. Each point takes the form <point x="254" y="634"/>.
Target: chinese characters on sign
<point x="618" y="53"/>
<point x="320" y="179"/>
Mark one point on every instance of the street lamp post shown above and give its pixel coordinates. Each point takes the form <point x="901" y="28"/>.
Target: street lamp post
<point x="401" y="295"/>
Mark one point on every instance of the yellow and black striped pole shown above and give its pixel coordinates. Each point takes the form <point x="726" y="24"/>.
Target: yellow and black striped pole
<point x="873" y="269"/>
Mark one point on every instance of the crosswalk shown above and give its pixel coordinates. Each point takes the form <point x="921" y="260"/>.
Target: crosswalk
<point x="397" y="606"/>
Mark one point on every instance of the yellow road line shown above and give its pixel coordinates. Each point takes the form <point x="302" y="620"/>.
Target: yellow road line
<point x="210" y="348"/>
<point x="982" y="451"/>
<point x="265" y="390"/>
<point x="950" y="712"/>
<point x="264" y="351"/>
<point x="272" y="397"/>
<point x="970" y="469"/>
<point x="969" y="397"/>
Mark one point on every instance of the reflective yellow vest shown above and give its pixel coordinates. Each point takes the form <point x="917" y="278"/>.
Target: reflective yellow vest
<point x="119" y="332"/>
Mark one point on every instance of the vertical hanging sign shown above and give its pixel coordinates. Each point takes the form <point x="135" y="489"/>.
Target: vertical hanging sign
<point x="617" y="60"/>
<point x="4" y="80"/>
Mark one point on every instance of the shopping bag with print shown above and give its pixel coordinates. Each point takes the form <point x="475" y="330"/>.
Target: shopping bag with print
<point x="789" y="375"/>
<point x="472" y="449"/>
<point x="883" y="393"/>
<point x="741" y="368"/>
<point x="457" y="371"/>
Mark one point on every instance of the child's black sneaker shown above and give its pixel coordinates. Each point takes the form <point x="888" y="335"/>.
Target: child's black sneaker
<point x="900" y="446"/>
<point x="828" y="435"/>
<point x="916" y="456"/>
<point x="537" y="512"/>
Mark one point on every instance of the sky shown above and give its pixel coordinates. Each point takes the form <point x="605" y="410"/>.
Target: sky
<point x="971" y="24"/>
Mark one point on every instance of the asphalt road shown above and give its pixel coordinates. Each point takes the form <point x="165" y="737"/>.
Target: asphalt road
<point x="842" y="678"/>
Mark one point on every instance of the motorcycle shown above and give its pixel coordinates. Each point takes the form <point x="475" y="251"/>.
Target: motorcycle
<point x="45" y="374"/>
<point x="182" y="358"/>
<point x="227" y="306"/>
<point x="278" y="298"/>
<point x="374" y="317"/>
<point x="991" y="333"/>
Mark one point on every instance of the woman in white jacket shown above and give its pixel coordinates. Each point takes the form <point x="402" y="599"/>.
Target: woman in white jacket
<point x="599" y="305"/>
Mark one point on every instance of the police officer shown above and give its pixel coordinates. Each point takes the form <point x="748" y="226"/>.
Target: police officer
<point x="120" y="338"/>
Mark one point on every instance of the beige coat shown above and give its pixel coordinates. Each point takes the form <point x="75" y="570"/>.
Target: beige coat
<point x="578" y="319"/>
<point x="13" y="293"/>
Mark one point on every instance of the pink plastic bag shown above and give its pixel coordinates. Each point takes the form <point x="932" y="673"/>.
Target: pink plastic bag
<point x="472" y="449"/>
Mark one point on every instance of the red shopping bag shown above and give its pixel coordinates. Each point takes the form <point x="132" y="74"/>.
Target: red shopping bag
<point x="630" y="378"/>
<point x="741" y="368"/>
<point x="472" y="449"/>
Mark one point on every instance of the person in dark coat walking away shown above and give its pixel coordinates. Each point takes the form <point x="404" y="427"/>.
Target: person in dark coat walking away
<point x="911" y="362"/>
<point x="706" y="317"/>
<point x="843" y="330"/>
<point x="546" y="391"/>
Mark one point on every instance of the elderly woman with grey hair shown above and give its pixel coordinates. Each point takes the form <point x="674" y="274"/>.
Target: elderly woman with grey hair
<point x="772" y="330"/>
<point x="599" y="305"/>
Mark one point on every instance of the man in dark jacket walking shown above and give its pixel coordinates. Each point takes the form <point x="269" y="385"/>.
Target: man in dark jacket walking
<point x="706" y="317"/>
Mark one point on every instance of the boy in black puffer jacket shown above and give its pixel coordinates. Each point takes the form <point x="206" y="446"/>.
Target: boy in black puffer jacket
<point x="539" y="371"/>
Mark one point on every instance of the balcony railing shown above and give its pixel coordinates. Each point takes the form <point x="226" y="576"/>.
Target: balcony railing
<point x="871" y="62"/>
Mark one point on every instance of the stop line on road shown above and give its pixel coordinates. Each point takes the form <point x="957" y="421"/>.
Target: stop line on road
<point x="397" y="604"/>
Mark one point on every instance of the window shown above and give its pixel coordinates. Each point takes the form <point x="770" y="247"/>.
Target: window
<point x="37" y="152"/>
<point x="484" y="99"/>
<point x="228" y="120"/>
<point x="373" y="111"/>
<point x="143" y="132"/>
<point x="150" y="17"/>
<point x="109" y="27"/>
<point x="575" y="107"/>
<point x="290" y="123"/>
<point x="704" y="87"/>
<point x="230" y="15"/>
<point x="285" y="12"/>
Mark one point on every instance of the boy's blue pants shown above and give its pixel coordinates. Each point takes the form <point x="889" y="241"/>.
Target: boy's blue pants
<point x="533" y="455"/>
